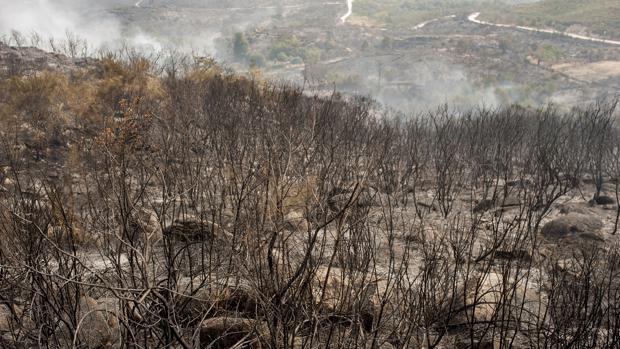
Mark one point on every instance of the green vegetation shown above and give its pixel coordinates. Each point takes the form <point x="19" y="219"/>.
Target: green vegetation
<point x="257" y="60"/>
<point x="240" y="46"/>
<point x="386" y="43"/>
<point x="548" y="53"/>
<point x="283" y="50"/>
<point x="343" y="80"/>
<point x="291" y="49"/>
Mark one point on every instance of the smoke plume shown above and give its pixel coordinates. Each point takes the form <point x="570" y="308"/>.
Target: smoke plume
<point x="54" y="20"/>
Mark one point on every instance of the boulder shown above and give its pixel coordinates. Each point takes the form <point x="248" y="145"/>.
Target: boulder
<point x="587" y="179"/>
<point x="574" y="207"/>
<point x="347" y="294"/>
<point x="336" y="286"/>
<point x="7" y="183"/>
<point x="229" y="332"/>
<point x="485" y="296"/>
<point x="483" y="301"/>
<point x="6" y="318"/>
<point x="295" y="221"/>
<point x="237" y="296"/>
<point x="334" y="289"/>
<point x="364" y="198"/>
<point x="98" y="323"/>
<point x="603" y="200"/>
<point x="573" y="225"/>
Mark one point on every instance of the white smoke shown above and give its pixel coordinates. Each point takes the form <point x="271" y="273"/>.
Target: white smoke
<point x="349" y="11"/>
<point x="55" y="22"/>
<point x="52" y="21"/>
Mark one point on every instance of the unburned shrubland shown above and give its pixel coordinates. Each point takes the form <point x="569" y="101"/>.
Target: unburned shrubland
<point x="192" y="208"/>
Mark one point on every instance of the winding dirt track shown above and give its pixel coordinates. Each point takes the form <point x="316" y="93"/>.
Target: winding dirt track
<point x="474" y="19"/>
<point x="297" y="6"/>
<point x="425" y="23"/>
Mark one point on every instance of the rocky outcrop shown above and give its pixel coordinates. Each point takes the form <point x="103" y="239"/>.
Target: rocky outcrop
<point x="28" y="60"/>
<point x="491" y="296"/>
<point x="574" y="226"/>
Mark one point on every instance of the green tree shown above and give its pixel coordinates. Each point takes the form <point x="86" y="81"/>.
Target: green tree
<point x="240" y="46"/>
<point x="504" y="45"/>
<point x="312" y="55"/>
<point x="257" y="60"/>
<point x="386" y="43"/>
<point x="365" y="45"/>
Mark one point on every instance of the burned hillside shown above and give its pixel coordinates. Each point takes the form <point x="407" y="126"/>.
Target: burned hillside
<point x="183" y="206"/>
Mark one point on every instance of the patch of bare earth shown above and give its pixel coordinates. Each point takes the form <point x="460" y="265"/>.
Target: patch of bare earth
<point x="591" y="72"/>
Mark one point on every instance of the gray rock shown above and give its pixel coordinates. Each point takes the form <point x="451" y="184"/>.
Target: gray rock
<point x="99" y="326"/>
<point x="295" y="221"/>
<point x="572" y="225"/>
<point x="237" y="296"/>
<point x="6" y="318"/>
<point x="29" y="60"/>
<point x="604" y="200"/>
<point x="366" y="197"/>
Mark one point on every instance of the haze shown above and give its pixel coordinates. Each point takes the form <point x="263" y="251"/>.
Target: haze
<point x="409" y="55"/>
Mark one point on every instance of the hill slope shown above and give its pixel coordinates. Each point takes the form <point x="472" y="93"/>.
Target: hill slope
<point x="196" y="209"/>
<point x="599" y="17"/>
